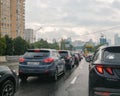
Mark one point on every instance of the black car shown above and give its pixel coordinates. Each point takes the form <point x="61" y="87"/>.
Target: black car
<point x="41" y="62"/>
<point x="8" y="81"/>
<point x="104" y="72"/>
<point x="69" y="58"/>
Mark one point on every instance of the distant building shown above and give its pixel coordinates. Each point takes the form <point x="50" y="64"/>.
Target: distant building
<point x="29" y="36"/>
<point x="78" y="45"/>
<point x="90" y="43"/>
<point x="116" y="39"/>
<point x="12" y="18"/>
<point x="103" y="40"/>
<point x="109" y="42"/>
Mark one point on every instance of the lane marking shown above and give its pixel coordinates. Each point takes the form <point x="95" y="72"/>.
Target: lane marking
<point x="74" y="79"/>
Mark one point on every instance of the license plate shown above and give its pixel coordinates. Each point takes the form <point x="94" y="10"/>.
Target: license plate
<point x="33" y="63"/>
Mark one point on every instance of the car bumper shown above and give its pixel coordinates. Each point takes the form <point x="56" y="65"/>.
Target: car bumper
<point x="106" y="91"/>
<point x="36" y="71"/>
<point x="106" y="85"/>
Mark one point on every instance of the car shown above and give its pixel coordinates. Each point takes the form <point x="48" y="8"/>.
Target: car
<point x="79" y="55"/>
<point x="41" y="62"/>
<point x="76" y="58"/>
<point x="69" y="58"/>
<point x="104" y="71"/>
<point x="8" y="81"/>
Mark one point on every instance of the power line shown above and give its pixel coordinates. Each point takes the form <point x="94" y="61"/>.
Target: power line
<point x="101" y="30"/>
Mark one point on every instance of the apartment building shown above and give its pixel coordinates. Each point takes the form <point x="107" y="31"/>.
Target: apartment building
<point x="12" y="18"/>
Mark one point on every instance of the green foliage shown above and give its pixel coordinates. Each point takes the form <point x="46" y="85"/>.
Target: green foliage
<point x="9" y="46"/>
<point x="54" y="45"/>
<point x="2" y="45"/>
<point x="20" y="46"/>
<point x="41" y="44"/>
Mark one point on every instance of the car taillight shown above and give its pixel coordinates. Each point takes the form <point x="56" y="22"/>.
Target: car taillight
<point x="109" y="70"/>
<point x="21" y="60"/>
<point x="99" y="68"/>
<point x="36" y="50"/>
<point x="48" y="60"/>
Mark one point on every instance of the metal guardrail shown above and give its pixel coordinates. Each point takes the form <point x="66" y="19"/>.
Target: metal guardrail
<point x="9" y="58"/>
<point x="3" y="59"/>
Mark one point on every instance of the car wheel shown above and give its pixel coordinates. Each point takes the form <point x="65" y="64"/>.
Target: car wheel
<point x="7" y="89"/>
<point x="23" y="78"/>
<point x="55" y="76"/>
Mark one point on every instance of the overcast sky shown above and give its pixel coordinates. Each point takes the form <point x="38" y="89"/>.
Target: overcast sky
<point x="73" y="18"/>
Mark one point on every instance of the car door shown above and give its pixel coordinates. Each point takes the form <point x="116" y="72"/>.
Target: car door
<point x="62" y="62"/>
<point x="57" y="61"/>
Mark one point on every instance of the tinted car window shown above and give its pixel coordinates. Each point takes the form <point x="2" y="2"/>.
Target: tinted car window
<point x="63" y="53"/>
<point x="36" y="54"/>
<point x="111" y="54"/>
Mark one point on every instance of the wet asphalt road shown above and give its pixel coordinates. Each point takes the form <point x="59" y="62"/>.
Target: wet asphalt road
<point x="73" y="83"/>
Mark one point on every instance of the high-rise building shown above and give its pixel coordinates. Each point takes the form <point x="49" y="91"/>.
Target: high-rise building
<point x="5" y="22"/>
<point x="12" y="18"/>
<point x="29" y="36"/>
<point x="117" y="39"/>
<point x="103" y="40"/>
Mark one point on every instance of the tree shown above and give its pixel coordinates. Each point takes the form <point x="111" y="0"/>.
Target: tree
<point x="41" y="44"/>
<point x="20" y="46"/>
<point x="2" y="45"/>
<point x="54" y="45"/>
<point x="9" y="45"/>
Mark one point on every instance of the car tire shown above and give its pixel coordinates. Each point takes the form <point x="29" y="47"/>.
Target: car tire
<point x="7" y="89"/>
<point x="55" y="76"/>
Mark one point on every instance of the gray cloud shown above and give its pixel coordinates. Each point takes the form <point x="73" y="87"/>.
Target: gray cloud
<point x="89" y="14"/>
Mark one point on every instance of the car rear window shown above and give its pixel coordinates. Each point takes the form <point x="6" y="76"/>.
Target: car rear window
<point x="112" y="54"/>
<point x="63" y="53"/>
<point x="37" y="54"/>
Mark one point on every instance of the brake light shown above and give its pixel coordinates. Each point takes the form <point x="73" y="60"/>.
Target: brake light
<point x="21" y="60"/>
<point x="99" y="68"/>
<point x="36" y="50"/>
<point x="109" y="70"/>
<point x="102" y="93"/>
<point x="48" y="60"/>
